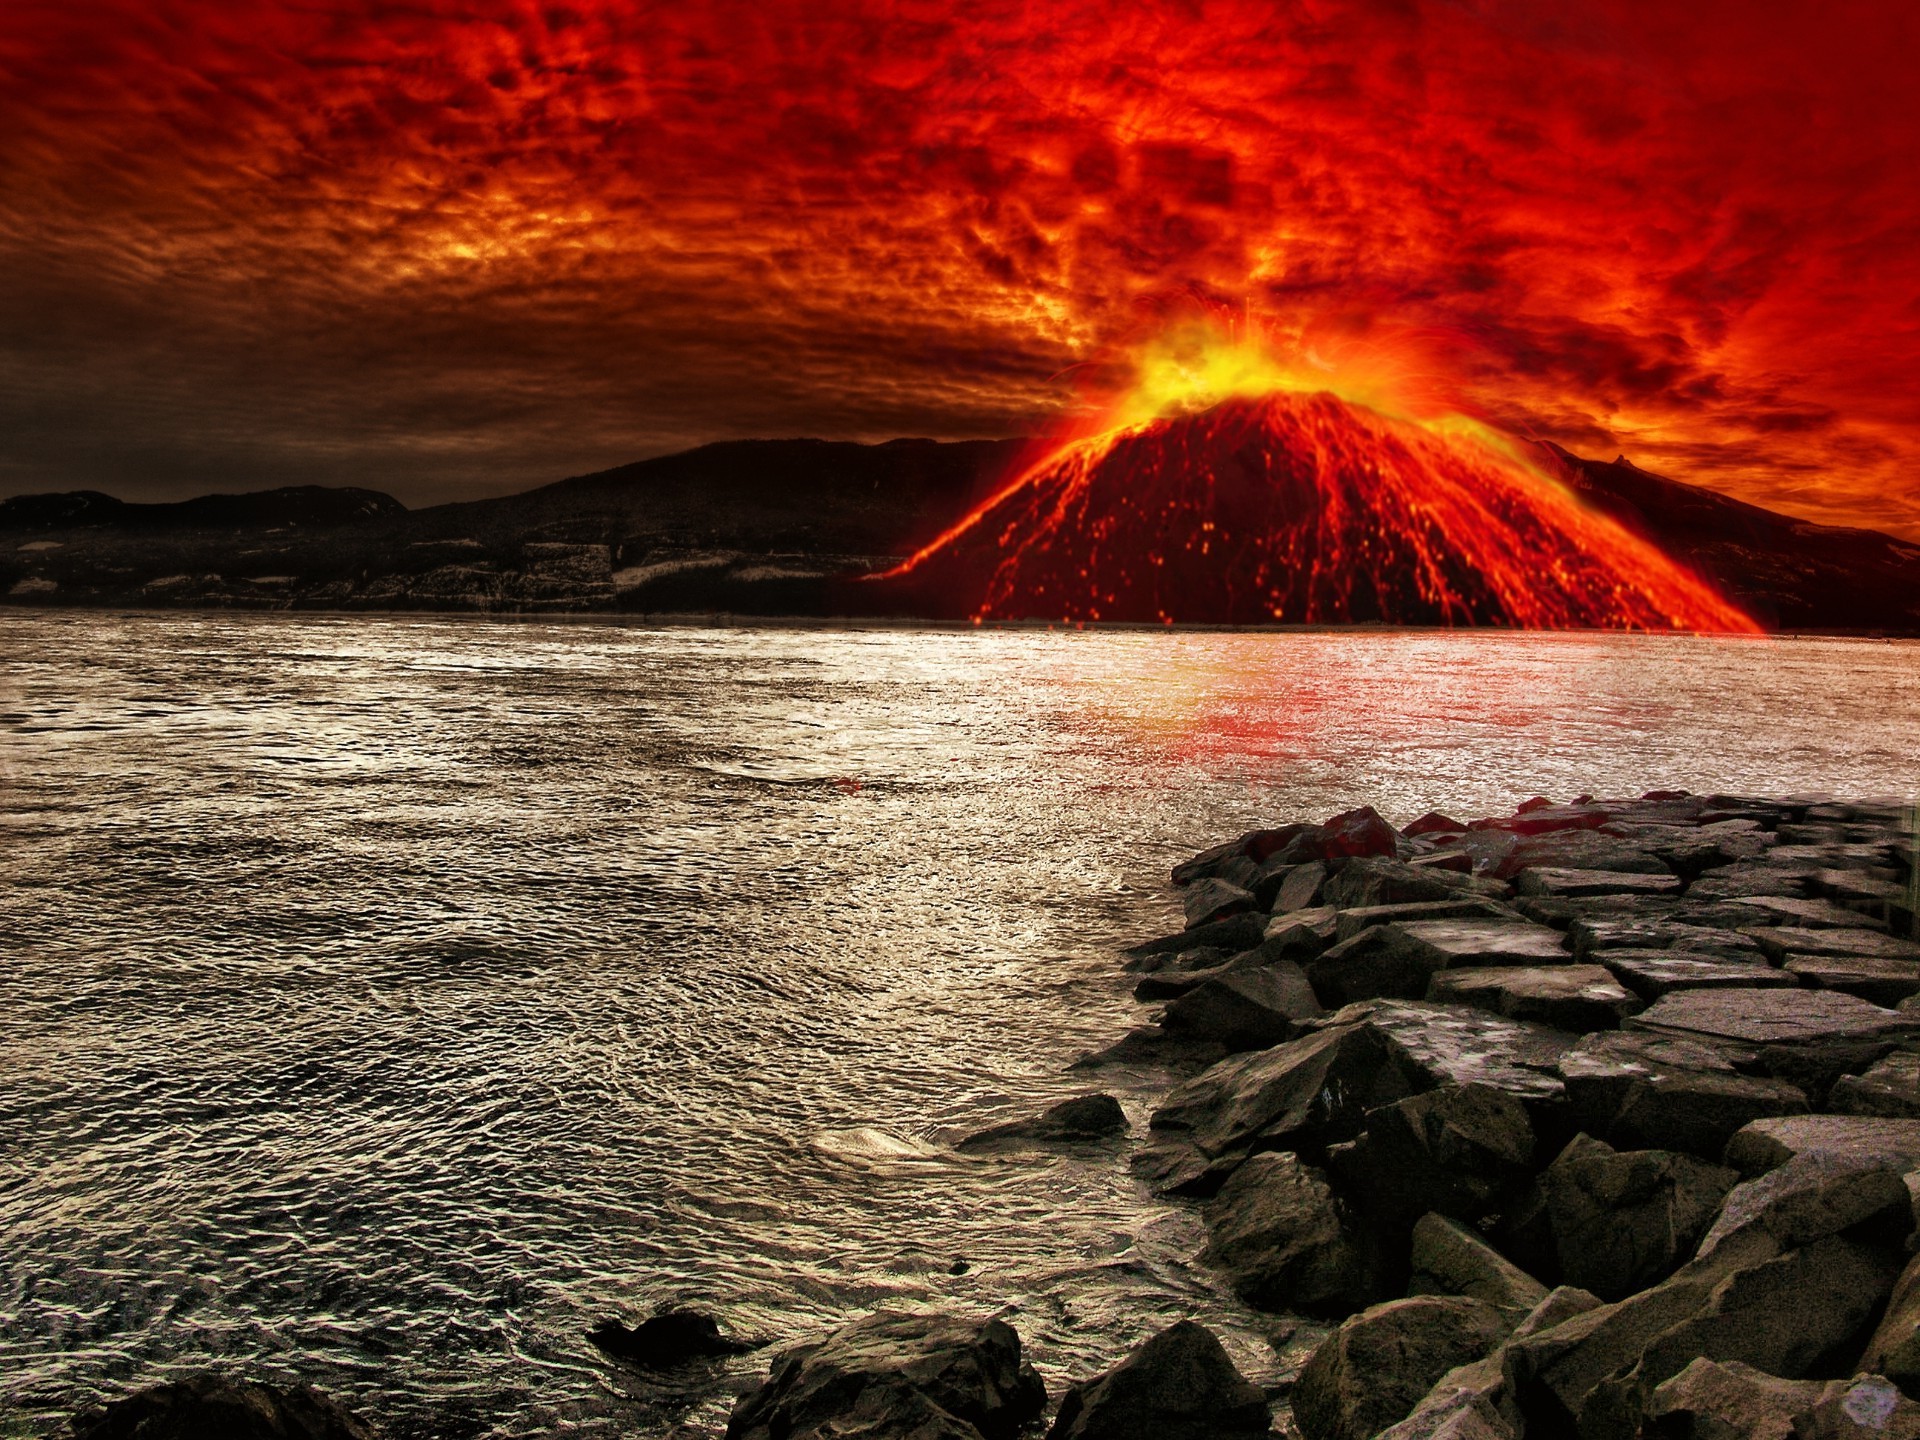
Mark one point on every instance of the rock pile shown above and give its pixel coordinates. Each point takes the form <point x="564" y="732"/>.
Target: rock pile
<point x="1662" y="1054"/>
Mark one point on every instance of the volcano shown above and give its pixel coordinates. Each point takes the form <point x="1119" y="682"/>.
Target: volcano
<point x="1302" y="508"/>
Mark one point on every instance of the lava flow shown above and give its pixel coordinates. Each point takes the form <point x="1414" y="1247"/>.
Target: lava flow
<point x="1303" y="508"/>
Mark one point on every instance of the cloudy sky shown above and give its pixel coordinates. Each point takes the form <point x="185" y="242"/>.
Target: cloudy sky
<point x="447" y="248"/>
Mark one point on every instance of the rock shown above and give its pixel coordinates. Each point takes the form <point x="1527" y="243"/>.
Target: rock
<point x="932" y="1377"/>
<point x="1384" y="881"/>
<point x="1286" y="888"/>
<point x="1547" y="880"/>
<point x="1570" y="997"/>
<point x="1891" y="1088"/>
<point x="1814" y="914"/>
<point x="1248" y="1009"/>
<point x="1169" y="981"/>
<point x="1398" y="960"/>
<point x="1641" y="1090"/>
<point x="1180" y="1385"/>
<point x="1378" y="1365"/>
<point x="1278" y="1235"/>
<point x="1233" y="934"/>
<point x="1352" y="922"/>
<point x="1436" y="1045"/>
<point x="1813" y="1195"/>
<point x="1201" y="957"/>
<point x="1736" y="881"/>
<point x="666" y="1339"/>
<point x="1881" y="982"/>
<point x="1767" y="1144"/>
<point x="1464" y="1151"/>
<point x="1214" y="899"/>
<point x="1584" y="850"/>
<point x="1079" y="1120"/>
<point x="1255" y="845"/>
<point x="1447" y="1258"/>
<point x="1459" y="862"/>
<point x="1867" y="1407"/>
<point x="1434" y="823"/>
<point x="1755" y="1017"/>
<point x="1653" y="973"/>
<point x="1894" y="1348"/>
<point x="1358" y="832"/>
<point x="1590" y="937"/>
<point x="1151" y="1045"/>
<point x="1300" y="934"/>
<point x="1785" y="942"/>
<point x="213" y="1407"/>
<point x="1713" y="1401"/>
<point x="1623" y="1221"/>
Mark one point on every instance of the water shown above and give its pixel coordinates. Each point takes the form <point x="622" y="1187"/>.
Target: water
<point x="386" y="1000"/>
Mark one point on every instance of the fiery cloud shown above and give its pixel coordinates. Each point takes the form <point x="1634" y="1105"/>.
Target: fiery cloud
<point x="451" y="247"/>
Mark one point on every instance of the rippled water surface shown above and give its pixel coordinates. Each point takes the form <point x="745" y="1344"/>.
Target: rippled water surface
<point x="385" y="1000"/>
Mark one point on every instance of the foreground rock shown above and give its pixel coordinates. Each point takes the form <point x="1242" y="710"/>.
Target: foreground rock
<point x="1284" y="1242"/>
<point x="1180" y="1385"/>
<point x="1082" y="1120"/>
<point x="1648" y="1090"/>
<point x="213" y="1407"/>
<point x="1447" y="1258"/>
<point x="1375" y="1367"/>
<point x="669" y="1338"/>
<point x="931" y="1377"/>
<point x="1623" y="1221"/>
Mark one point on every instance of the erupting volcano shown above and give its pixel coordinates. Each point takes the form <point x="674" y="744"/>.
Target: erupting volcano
<point x="1303" y="508"/>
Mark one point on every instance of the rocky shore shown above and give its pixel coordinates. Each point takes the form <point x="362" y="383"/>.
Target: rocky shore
<point x="1601" y="1119"/>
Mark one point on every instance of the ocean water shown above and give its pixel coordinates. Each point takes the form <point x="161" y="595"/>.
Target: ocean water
<point x="383" y="1001"/>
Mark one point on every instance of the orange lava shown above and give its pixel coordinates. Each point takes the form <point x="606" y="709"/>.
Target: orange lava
<point x="1303" y="508"/>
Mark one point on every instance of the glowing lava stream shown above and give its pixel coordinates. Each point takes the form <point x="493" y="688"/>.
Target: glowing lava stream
<point x="1304" y="508"/>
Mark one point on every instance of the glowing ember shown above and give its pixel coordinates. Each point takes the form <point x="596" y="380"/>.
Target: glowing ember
<point x="1303" y="507"/>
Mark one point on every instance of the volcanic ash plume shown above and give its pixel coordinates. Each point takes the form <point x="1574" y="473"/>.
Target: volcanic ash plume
<point x="1306" y="509"/>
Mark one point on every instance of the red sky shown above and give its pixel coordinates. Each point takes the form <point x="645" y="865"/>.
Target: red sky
<point x="457" y="248"/>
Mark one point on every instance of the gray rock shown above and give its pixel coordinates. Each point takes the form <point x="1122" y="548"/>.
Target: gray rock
<point x="1640" y="1090"/>
<point x="1784" y="942"/>
<point x="1580" y="850"/>
<point x="1293" y="887"/>
<point x="1589" y="937"/>
<point x="1079" y="1120"/>
<point x="1622" y="1221"/>
<point x="1180" y="1385"/>
<point x="1771" y="1017"/>
<point x="1447" y="1258"/>
<point x="1890" y="1088"/>
<point x="1379" y="880"/>
<point x="1352" y="922"/>
<point x="1246" y="1009"/>
<point x="1378" y="1365"/>
<point x="929" y="1377"/>
<point x="1151" y="1045"/>
<point x="1653" y="973"/>
<point x="1301" y="934"/>
<point x="214" y="1407"/>
<point x="1398" y="961"/>
<point x="1463" y="1150"/>
<point x="1871" y="978"/>
<point x="1734" y="882"/>
<point x="1214" y="899"/>
<point x="671" y="1337"/>
<point x="1867" y="1407"/>
<point x="1710" y="1400"/>
<point x="1546" y="880"/>
<point x="1570" y="997"/>
<point x="1282" y="1240"/>
<point x="1766" y="1144"/>
<point x="1894" y="1348"/>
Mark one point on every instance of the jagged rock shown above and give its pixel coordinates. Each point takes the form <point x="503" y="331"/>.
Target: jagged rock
<point x="1710" y="1400"/>
<point x="1179" y="974"/>
<point x="1459" y="862"/>
<point x="1580" y="850"/>
<point x="1890" y="1088"/>
<point x="1758" y="1017"/>
<point x="1358" y="832"/>
<point x="1814" y="914"/>
<point x="1398" y="961"/>
<point x="1867" y="1407"/>
<point x="931" y="1377"/>
<point x="1894" y="1349"/>
<point x="1813" y="1195"/>
<point x="1233" y="934"/>
<point x="1378" y="1365"/>
<point x="1214" y="899"/>
<point x="1079" y="1120"/>
<point x="1590" y="936"/>
<point x="1282" y="1240"/>
<point x="1653" y="973"/>
<point x="1879" y="981"/>
<point x="1151" y="1045"/>
<point x="1247" y="1009"/>
<point x="1201" y="957"/>
<point x="1352" y="922"/>
<point x="1287" y="888"/>
<point x="1180" y="1385"/>
<point x="1255" y="845"/>
<point x="1434" y="823"/>
<point x="1550" y="880"/>
<point x="1447" y="1258"/>
<point x="1384" y="881"/>
<point x="1570" y="997"/>
<point x="1464" y="1151"/>
<point x="1640" y="1090"/>
<point x="1300" y="934"/>
<point x="666" y="1339"/>
<point x="1734" y="882"/>
<point x="215" y="1407"/>
<point x="1782" y="943"/>
<point x="1767" y="1144"/>
<point x="1623" y="1220"/>
<point x="1438" y="1045"/>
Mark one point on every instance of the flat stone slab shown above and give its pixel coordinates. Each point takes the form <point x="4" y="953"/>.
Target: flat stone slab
<point x="1814" y="914"/>
<point x="1461" y="1045"/>
<point x="1352" y="922"/>
<point x="1590" y="937"/>
<point x="1757" y="1016"/>
<point x="1781" y="942"/>
<point x="1487" y="942"/>
<point x="1733" y="882"/>
<point x="1653" y="973"/>
<point x="1884" y="982"/>
<point x="1763" y="1144"/>
<point x="1549" y="880"/>
<point x="1580" y="998"/>
<point x="1891" y="1087"/>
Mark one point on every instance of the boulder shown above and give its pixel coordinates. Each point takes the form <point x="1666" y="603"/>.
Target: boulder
<point x="1732" y="882"/>
<point x="1214" y="899"/>
<point x="1436" y="1045"/>
<point x="1233" y="934"/>
<point x="1622" y="1221"/>
<point x="1587" y="850"/>
<point x="1766" y="1144"/>
<point x="1653" y="973"/>
<point x="1570" y="997"/>
<point x="1378" y="1365"/>
<point x="1255" y="845"/>
<point x="1358" y="832"/>
<point x="1813" y="1195"/>
<point x="1816" y="914"/>
<point x="1286" y="888"/>
<point x="1176" y="978"/>
<point x="1300" y="934"/>
<point x="1282" y="1240"/>
<point x="1434" y="823"/>
<point x="1894" y="1348"/>
<point x="1891" y="1088"/>
<point x="1543" y="880"/>
<point x="668" y="1338"/>
<point x="1589" y="936"/>
<point x="1867" y="1407"/>
<point x="1710" y="1400"/>
<point x="1180" y="1385"/>
<point x="1880" y="981"/>
<point x="1755" y="1017"/>
<point x="1640" y="1090"/>
<point x="215" y="1407"/>
<point x="1352" y="922"/>
<point x="1782" y="943"/>
<point x="1151" y="1045"/>
<point x="1464" y="1151"/>
<point x="1397" y="961"/>
<point x="1244" y="1009"/>
<point x="1447" y="1258"/>
<point x="932" y="1377"/>
<point x="1379" y="880"/>
<point x="1080" y="1120"/>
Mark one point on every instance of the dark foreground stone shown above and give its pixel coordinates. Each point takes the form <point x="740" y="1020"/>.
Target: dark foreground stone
<point x="1375" y="1367"/>
<point x="213" y="1407"/>
<point x="670" y="1338"/>
<point x="1084" y="1119"/>
<point x="929" y="1377"/>
<point x="1180" y="1385"/>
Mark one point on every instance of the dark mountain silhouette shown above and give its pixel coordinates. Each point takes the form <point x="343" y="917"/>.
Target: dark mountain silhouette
<point x="772" y="527"/>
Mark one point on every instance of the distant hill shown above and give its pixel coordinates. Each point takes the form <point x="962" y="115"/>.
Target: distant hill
<point x="768" y="527"/>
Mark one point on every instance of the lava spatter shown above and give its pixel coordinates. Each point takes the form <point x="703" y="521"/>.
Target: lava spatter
<point x="1304" y="508"/>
